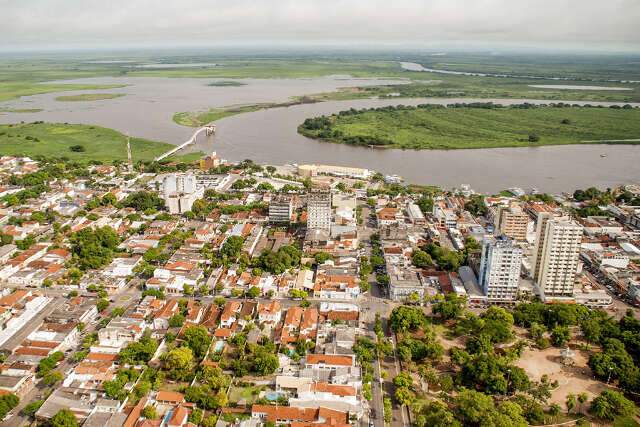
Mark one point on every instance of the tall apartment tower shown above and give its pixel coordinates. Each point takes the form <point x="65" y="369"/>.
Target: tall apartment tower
<point x="280" y="209"/>
<point x="179" y="192"/>
<point x="512" y="222"/>
<point x="500" y="269"/>
<point x="319" y="209"/>
<point x="556" y="255"/>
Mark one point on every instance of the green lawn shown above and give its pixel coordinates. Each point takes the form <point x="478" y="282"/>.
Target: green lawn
<point x="453" y="128"/>
<point x="56" y="140"/>
<point x="89" y="97"/>
<point x="250" y="394"/>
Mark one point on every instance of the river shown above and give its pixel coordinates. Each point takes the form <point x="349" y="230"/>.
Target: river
<point x="270" y="136"/>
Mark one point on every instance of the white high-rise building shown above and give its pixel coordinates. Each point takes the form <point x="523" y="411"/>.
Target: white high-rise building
<point x="556" y="256"/>
<point x="500" y="269"/>
<point x="179" y="191"/>
<point x="319" y="210"/>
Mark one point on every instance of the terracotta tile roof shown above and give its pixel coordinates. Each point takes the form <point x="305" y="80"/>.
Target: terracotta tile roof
<point x="170" y="396"/>
<point x="329" y="359"/>
<point x="337" y="389"/>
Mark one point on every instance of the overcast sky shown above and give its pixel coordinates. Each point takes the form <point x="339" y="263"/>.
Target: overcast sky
<point x="590" y="24"/>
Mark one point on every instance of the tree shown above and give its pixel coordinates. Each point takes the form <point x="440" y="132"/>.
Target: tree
<point x="536" y="331"/>
<point x="149" y="412"/>
<point x="102" y="304"/>
<point x="7" y="403"/>
<point x="195" y="417"/>
<point x="404" y="396"/>
<point x="253" y="292"/>
<point x="450" y="307"/>
<point x="421" y="259"/>
<point x="582" y="399"/>
<point x="570" y="402"/>
<point x="31" y="409"/>
<point x="198" y="340"/>
<point x="560" y="335"/>
<point x="403" y="379"/>
<point x="143" y="201"/>
<point x="533" y="137"/>
<point x="473" y="407"/>
<point x="321" y="257"/>
<point x="265" y="363"/>
<point x="232" y="247"/>
<point x="405" y="318"/>
<point x="93" y="249"/>
<point x="176" y="321"/>
<point x="179" y="362"/>
<point x="611" y="404"/>
<point x="298" y="294"/>
<point x="52" y="378"/>
<point x="64" y="418"/>
<point x="435" y="414"/>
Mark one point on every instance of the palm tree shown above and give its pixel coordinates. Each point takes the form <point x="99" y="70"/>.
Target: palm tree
<point x="570" y="402"/>
<point x="582" y="398"/>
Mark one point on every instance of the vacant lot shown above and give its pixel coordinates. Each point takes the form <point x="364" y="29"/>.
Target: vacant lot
<point x="455" y="128"/>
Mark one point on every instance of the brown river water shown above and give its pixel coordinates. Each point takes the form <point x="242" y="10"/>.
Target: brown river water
<point x="270" y="136"/>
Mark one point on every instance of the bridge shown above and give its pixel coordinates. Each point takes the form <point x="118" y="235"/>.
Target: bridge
<point x="209" y="130"/>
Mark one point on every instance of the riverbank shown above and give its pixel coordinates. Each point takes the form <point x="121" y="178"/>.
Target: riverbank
<point x="428" y="127"/>
<point x="84" y="97"/>
<point x="78" y="142"/>
<point x="201" y="118"/>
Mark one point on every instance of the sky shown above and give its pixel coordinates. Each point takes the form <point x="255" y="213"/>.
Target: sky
<point x="60" y="24"/>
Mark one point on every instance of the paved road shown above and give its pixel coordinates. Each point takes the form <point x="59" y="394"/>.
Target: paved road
<point x="31" y="326"/>
<point x="123" y="299"/>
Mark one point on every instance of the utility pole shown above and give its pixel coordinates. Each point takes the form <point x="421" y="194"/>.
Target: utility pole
<point x="129" y="158"/>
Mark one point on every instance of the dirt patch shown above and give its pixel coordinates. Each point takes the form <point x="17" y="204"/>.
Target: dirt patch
<point x="571" y="379"/>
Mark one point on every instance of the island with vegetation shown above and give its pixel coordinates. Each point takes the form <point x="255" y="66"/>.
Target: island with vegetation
<point x="77" y="142"/>
<point x="88" y="97"/>
<point x="476" y="125"/>
<point x="201" y="118"/>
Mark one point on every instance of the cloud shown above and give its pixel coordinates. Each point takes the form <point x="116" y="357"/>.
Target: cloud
<point x="33" y="23"/>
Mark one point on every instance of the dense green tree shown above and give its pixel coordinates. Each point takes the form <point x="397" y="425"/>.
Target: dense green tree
<point x="179" y="362"/>
<point x="435" y="414"/>
<point x="64" y="418"/>
<point x="143" y="201"/>
<point x="421" y="259"/>
<point x="450" y="307"/>
<point x="198" y="340"/>
<point x="406" y="318"/>
<point x="139" y="352"/>
<point x="611" y="404"/>
<point x="560" y="335"/>
<point x="232" y="247"/>
<point x="94" y="248"/>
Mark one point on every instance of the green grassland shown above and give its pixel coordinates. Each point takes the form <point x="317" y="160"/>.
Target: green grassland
<point x="201" y="118"/>
<point x="89" y="97"/>
<point x="20" y="110"/>
<point x="37" y="75"/>
<point x="434" y="127"/>
<point x="226" y="83"/>
<point x="56" y="140"/>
